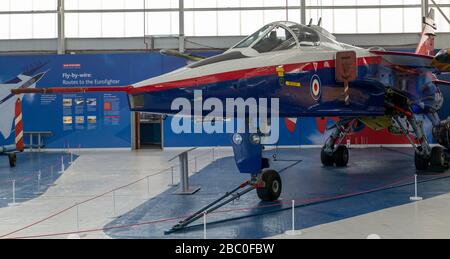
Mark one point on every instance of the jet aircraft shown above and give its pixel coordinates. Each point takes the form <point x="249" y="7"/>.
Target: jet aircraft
<point x="312" y="75"/>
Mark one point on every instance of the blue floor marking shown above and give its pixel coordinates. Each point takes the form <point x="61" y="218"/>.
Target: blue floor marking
<point x="26" y="175"/>
<point x="307" y="181"/>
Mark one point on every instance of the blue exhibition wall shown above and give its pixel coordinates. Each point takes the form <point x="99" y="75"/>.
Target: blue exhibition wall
<point x="102" y="120"/>
<point x="99" y="120"/>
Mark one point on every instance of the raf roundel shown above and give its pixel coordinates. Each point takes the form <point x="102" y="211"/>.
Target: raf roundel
<point x="316" y="88"/>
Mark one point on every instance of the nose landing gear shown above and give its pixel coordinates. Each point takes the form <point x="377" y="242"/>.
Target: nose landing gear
<point x="270" y="186"/>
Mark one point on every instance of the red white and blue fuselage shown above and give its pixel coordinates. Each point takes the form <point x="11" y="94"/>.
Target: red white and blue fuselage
<point x="309" y="71"/>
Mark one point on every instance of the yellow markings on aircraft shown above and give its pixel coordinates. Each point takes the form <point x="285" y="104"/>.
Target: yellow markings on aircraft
<point x="280" y="71"/>
<point x="443" y="67"/>
<point x="293" y="84"/>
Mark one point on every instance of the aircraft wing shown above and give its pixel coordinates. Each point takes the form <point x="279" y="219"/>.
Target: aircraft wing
<point x="404" y="60"/>
<point x="5" y="90"/>
<point x="6" y="117"/>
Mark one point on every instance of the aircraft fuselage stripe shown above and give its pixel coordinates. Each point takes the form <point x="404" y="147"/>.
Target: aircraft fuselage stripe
<point x="248" y="73"/>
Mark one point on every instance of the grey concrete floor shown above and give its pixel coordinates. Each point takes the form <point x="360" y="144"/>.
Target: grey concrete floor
<point x="428" y="219"/>
<point x="95" y="173"/>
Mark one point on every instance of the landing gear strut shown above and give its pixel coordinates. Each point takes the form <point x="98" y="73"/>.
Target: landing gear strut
<point x="227" y="198"/>
<point x="333" y="151"/>
<point x="12" y="160"/>
<point x="426" y="157"/>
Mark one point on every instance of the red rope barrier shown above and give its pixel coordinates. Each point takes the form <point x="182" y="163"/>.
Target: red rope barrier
<point x="305" y="202"/>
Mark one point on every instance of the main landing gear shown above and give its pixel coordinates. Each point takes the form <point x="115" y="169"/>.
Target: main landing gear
<point x="426" y="157"/>
<point x="333" y="152"/>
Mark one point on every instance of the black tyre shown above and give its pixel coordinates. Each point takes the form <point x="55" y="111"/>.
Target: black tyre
<point x="438" y="160"/>
<point x="12" y="160"/>
<point x="272" y="188"/>
<point x="341" y="156"/>
<point x="326" y="159"/>
<point x="421" y="162"/>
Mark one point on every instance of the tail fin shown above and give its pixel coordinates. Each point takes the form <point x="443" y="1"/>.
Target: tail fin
<point x="426" y="44"/>
<point x="19" y="126"/>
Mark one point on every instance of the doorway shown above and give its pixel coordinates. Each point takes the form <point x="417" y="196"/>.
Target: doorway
<point x="150" y="131"/>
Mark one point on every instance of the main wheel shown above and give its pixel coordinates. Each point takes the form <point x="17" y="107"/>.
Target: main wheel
<point x="341" y="156"/>
<point x="12" y="160"/>
<point x="272" y="186"/>
<point x="421" y="162"/>
<point x="438" y="159"/>
<point x="327" y="160"/>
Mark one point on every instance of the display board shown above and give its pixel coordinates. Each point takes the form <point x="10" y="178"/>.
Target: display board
<point x="95" y="120"/>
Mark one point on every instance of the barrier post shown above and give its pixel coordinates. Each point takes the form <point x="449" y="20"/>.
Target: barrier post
<point x="114" y="204"/>
<point x="148" y="186"/>
<point x="71" y="157"/>
<point x="172" y="184"/>
<point x="38" y="191"/>
<point x="62" y="165"/>
<point x="114" y="216"/>
<point x="13" y="204"/>
<point x="204" y="225"/>
<point x="293" y="232"/>
<point x="416" y="197"/>
<point x="78" y="217"/>
<point x="39" y="179"/>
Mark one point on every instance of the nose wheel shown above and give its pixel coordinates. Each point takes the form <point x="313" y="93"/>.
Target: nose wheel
<point x="270" y="187"/>
<point x="340" y="157"/>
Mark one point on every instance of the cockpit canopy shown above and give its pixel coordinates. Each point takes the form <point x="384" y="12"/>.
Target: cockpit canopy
<point x="280" y="36"/>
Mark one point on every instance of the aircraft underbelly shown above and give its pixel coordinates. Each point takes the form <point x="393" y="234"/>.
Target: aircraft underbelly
<point x="309" y="94"/>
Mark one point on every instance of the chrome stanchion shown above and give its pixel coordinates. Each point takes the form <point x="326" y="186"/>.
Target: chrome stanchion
<point x="293" y="232"/>
<point x="416" y="197"/>
<point x="14" y="203"/>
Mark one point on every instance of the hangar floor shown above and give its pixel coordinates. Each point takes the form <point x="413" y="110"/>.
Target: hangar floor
<point x="368" y="197"/>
